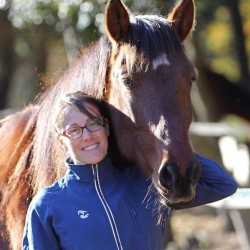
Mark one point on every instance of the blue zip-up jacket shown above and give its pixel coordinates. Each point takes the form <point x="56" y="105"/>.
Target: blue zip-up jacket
<point x="98" y="207"/>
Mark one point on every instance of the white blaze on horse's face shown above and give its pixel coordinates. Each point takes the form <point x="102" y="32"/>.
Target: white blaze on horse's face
<point x="149" y="87"/>
<point x="160" y="60"/>
<point x="160" y="130"/>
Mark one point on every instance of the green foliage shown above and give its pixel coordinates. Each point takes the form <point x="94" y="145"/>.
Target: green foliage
<point x="217" y="38"/>
<point x="219" y="41"/>
<point x="63" y="13"/>
<point x="214" y="24"/>
<point x="245" y="10"/>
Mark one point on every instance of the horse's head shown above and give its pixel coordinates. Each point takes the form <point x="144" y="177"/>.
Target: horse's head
<point x="150" y="78"/>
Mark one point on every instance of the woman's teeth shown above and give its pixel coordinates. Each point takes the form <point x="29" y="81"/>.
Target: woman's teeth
<point x="90" y="147"/>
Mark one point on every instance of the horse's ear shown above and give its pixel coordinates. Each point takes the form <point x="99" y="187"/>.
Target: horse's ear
<point x="116" y="20"/>
<point x="182" y="18"/>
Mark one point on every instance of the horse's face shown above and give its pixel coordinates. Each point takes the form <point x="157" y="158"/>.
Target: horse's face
<point x="149" y="83"/>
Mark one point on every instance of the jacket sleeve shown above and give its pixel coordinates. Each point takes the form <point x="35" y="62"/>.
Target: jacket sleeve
<point x="214" y="184"/>
<point x="38" y="231"/>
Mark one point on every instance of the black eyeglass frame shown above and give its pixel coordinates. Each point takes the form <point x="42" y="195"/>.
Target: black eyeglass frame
<point x="101" y="118"/>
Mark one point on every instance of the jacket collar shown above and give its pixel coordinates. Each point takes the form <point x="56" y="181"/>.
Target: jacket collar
<point x="84" y="173"/>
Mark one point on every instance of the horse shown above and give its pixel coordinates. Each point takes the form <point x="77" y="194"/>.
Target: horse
<point x="140" y="69"/>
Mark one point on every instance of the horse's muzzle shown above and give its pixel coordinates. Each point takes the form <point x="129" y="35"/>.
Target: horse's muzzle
<point x="175" y="187"/>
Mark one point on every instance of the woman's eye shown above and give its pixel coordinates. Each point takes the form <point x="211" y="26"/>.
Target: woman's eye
<point x="73" y="130"/>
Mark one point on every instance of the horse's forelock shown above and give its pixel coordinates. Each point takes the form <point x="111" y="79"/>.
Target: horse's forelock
<point x="148" y="36"/>
<point x="153" y="34"/>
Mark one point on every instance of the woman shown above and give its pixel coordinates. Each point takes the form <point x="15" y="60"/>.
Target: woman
<point x="97" y="206"/>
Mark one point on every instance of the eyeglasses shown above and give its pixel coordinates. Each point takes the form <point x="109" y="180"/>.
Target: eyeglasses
<point x="76" y="131"/>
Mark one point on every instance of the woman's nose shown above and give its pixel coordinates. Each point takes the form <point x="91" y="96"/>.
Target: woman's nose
<point x="85" y="134"/>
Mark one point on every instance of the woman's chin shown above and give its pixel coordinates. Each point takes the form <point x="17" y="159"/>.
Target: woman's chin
<point x="90" y="161"/>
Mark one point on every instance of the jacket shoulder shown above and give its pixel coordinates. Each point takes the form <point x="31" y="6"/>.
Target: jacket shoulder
<point x="46" y="196"/>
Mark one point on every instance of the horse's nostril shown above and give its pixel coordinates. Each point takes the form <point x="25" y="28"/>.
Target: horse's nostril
<point x="168" y="176"/>
<point x="193" y="172"/>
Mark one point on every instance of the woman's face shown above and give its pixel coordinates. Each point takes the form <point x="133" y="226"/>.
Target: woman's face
<point x="91" y="147"/>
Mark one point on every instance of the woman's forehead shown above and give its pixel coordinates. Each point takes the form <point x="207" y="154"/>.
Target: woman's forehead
<point x="72" y="112"/>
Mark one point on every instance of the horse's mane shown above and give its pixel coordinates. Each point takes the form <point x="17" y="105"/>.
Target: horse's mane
<point x="148" y="35"/>
<point x="41" y="160"/>
<point x="34" y="158"/>
<point x="89" y="75"/>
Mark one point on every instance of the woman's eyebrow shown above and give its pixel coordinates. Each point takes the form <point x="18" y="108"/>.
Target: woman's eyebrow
<point x="75" y="124"/>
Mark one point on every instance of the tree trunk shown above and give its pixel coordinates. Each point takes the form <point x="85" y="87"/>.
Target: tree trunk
<point x="233" y="6"/>
<point x="7" y="56"/>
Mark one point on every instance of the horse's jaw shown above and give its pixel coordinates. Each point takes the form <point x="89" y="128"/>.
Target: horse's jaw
<point x="174" y="179"/>
<point x="176" y="184"/>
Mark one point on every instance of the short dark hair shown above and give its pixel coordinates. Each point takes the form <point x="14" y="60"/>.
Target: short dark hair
<point x="78" y="99"/>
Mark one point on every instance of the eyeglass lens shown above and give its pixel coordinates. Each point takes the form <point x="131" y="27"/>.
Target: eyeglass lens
<point x="91" y="126"/>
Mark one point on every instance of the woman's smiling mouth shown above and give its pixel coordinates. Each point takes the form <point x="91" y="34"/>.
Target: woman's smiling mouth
<point x="89" y="148"/>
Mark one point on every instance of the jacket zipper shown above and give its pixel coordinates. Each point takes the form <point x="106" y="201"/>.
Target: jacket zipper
<point x="106" y="207"/>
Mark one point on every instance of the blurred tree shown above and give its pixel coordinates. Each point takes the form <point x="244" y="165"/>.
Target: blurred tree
<point x="42" y="29"/>
<point x="6" y="56"/>
<point x="38" y="36"/>
<point x="240" y="43"/>
<point x="223" y="72"/>
<point x="36" y="25"/>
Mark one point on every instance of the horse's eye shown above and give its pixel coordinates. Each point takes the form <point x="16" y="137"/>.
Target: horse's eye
<point x="129" y="84"/>
<point x="191" y="81"/>
<point x="123" y="62"/>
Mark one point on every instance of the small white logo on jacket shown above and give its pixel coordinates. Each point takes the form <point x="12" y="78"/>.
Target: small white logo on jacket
<point x="83" y="214"/>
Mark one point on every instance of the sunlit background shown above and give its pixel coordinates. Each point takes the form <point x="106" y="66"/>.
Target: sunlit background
<point x="41" y="38"/>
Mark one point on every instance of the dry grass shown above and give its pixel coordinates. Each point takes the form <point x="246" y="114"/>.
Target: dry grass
<point x="202" y="228"/>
